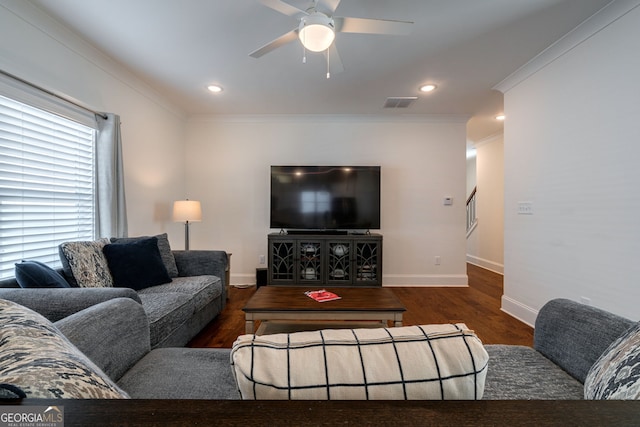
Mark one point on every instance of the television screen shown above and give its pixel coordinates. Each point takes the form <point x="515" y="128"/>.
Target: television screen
<point x="325" y="197"/>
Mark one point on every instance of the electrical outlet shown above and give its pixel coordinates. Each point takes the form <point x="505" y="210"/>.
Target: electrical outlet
<point x="437" y="260"/>
<point x="262" y="260"/>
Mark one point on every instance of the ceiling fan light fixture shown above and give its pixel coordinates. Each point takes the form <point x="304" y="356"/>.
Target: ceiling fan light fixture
<point x="316" y="32"/>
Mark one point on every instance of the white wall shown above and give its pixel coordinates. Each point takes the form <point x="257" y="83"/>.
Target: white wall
<point x="39" y="50"/>
<point x="225" y="162"/>
<point x="471" y="172"/>
<point x="571" y="148"/>
<point x="422" y="159"/>
<point x="485" y="246"/>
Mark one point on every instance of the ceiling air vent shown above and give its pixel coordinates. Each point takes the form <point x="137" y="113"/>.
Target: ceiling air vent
<point x="399" y="101"/>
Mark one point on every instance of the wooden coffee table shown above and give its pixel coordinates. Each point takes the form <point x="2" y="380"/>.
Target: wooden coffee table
<point x="289" y="303"/>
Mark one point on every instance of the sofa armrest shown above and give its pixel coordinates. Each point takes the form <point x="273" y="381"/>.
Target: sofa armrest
<point x="113" y="334"/>
<point x="57" y="303"/>
<point x="199" y="263"/>
<point x="574" y="335"/>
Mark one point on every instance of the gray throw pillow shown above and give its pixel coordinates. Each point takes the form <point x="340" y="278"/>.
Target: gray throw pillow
<point x="163" y="246"/>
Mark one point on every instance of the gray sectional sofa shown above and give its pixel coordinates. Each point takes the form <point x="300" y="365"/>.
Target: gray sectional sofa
<point x="569" y="339"/>
<point x="175" y="311"/>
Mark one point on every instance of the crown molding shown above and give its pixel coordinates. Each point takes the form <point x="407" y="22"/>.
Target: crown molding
<point x="330" y="118"/>
<point x="583" y="32"/>
<point x="498" y="136"/>
<point x="42" y="22"/>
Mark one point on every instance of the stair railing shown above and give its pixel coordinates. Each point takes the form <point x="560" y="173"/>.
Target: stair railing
<point x="472" y="219"/>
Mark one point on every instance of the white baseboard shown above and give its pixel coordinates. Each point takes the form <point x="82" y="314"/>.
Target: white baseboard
<point x="418" y="280"/>
<point x="409" y="280"/>
<point x="243" y="279"/>
<point x="520" y="311"/>
<point x="486" y="264"/>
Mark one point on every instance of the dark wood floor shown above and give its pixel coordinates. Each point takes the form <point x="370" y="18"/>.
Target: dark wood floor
<point x="478" y="306"/>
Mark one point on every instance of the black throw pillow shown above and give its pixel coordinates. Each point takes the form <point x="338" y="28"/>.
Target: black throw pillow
<point x="35" y="274"/>
<point x="136" y="265"/>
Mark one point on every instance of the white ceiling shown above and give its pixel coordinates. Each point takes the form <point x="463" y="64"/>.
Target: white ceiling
<point x="464" y="46"/>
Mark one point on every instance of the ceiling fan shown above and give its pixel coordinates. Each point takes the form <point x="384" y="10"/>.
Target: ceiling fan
<point x="316" y="29"/>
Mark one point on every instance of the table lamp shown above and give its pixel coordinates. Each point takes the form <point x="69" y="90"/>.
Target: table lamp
<point x="187" y="211"/>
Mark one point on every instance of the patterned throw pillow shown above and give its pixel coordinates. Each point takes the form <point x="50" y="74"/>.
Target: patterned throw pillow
<point x="413" y="362"/>
<point x="36" y="359"/>
<point x="616" y="374"/>
<point x="85" y="264"/>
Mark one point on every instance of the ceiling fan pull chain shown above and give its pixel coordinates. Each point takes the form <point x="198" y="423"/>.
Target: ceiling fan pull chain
<point x="304" y="50"/>
<point x="328" y="69"/>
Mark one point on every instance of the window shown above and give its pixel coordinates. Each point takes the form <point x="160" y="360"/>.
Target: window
<point x="46" y="184"/>
<point x="315" y="202"/>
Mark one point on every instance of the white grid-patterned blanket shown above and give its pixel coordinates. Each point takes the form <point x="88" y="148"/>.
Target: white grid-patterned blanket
<point x="412" y="362"/>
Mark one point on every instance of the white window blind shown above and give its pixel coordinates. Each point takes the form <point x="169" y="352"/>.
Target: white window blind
<point x="46" y="184"/>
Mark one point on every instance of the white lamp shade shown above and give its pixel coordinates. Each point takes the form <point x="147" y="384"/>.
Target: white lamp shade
<point x="316" y="32"/>
<point x="187" y="211"/>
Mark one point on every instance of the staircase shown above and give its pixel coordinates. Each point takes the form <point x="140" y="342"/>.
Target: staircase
<point x="472" y="219"/>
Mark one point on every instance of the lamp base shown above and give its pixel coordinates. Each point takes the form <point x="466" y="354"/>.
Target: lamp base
<point x="186" y="236"/>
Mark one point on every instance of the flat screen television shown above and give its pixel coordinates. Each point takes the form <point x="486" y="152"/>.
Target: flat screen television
<point x="325" y="197"/>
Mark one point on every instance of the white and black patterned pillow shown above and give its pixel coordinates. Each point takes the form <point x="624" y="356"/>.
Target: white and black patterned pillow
<point x="616" y="374"/>
<point x="412" y="362"/>
<point x="37" y="360"/>
<point x="85" y="265"/>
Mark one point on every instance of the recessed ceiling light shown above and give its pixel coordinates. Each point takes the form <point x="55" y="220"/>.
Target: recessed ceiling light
<point x="501" y="117"/>
<point x="428" y="88"/>
<point x="215" y="88"/>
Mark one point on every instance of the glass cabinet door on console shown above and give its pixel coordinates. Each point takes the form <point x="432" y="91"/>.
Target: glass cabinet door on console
<point x="367" y="262"/>
<point x="339" y="262"/>
<point x="282" y="261"/>
<point x="309" y="261"/>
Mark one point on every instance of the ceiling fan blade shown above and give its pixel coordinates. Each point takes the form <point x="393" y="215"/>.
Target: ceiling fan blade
<point x="280" y="41"/>
<point x="282" y="7"/>
<point x="372" y="26"/>
<point x="332" y="5"/>
<point x="333" y="57"/>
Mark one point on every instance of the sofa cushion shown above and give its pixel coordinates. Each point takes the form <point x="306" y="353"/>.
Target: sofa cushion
<point x="413" y="362"/>
<point x="203" y="289"/>
<point x="85" y="265"/>
<point x="35" y="274"/>
<point x="521" y="373"/>
<point x="166" y="313"/>
<point x="616" y="375"/>
<point x="40" y="361"/>
<point x="203" y="373"/>
<point x="163" y="246"/>
<point x="113" y="334"/>
<point x="137" y="264"/>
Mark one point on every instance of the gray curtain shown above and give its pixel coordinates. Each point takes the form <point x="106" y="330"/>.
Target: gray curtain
<point x="111" y="209"/>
